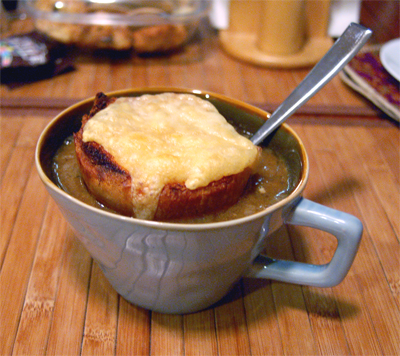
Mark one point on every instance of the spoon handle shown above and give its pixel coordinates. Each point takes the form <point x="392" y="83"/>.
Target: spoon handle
<point x="342" y="51"/>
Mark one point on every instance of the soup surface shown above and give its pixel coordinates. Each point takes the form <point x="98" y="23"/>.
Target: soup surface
<point x="269" y="184"/>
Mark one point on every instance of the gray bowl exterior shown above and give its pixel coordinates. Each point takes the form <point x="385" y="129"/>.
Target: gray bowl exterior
<point x="183" y="268"/>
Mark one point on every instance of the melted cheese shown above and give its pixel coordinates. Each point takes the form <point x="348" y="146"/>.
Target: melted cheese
<point x="169" y="138"/>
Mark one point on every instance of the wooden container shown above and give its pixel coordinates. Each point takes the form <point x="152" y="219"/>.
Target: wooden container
<point x="278" y="33"/>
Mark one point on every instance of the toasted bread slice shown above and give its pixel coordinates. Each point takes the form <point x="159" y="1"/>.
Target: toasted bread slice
<point x="111" y="183"/>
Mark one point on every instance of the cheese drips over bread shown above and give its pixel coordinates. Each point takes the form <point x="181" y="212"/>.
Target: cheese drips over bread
<point x="169" y="138"/>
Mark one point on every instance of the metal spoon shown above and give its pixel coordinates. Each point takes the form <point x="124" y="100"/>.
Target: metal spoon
<point x="343" y="50"/>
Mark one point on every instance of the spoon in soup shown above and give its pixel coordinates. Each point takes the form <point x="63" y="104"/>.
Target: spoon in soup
<point x="342" y="51"/>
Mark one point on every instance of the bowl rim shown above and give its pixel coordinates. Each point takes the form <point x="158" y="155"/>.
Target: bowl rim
<point x="50" y="185"/>
<point x="201" y="10"/>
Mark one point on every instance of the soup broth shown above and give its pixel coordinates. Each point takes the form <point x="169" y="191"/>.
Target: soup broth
<point x="268" y="185"/>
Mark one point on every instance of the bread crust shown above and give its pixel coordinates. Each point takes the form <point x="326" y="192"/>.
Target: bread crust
<point x="111" y="184"/>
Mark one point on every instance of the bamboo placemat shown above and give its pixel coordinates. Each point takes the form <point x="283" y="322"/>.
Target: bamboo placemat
<point x="55" y="300"/>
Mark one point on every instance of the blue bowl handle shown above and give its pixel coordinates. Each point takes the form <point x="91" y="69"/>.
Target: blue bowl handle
<point x="346" y="228"/>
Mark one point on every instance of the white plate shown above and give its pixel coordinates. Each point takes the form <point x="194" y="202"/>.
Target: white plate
<point x="390" y="57"/>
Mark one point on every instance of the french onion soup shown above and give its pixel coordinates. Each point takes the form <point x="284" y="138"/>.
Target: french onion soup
<point x="168" y="157"/>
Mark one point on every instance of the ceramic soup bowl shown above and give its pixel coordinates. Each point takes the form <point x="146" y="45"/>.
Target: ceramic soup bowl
<point x="182" y="268"/>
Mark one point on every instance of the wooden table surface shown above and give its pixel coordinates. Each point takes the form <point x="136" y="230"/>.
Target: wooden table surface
<point x="56" y="301"/>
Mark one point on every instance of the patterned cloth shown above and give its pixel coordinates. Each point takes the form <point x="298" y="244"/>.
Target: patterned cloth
<point x="366" y="74"/>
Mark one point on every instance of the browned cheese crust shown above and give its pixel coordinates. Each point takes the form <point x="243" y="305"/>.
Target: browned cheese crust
<point x="111" y="184"/>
